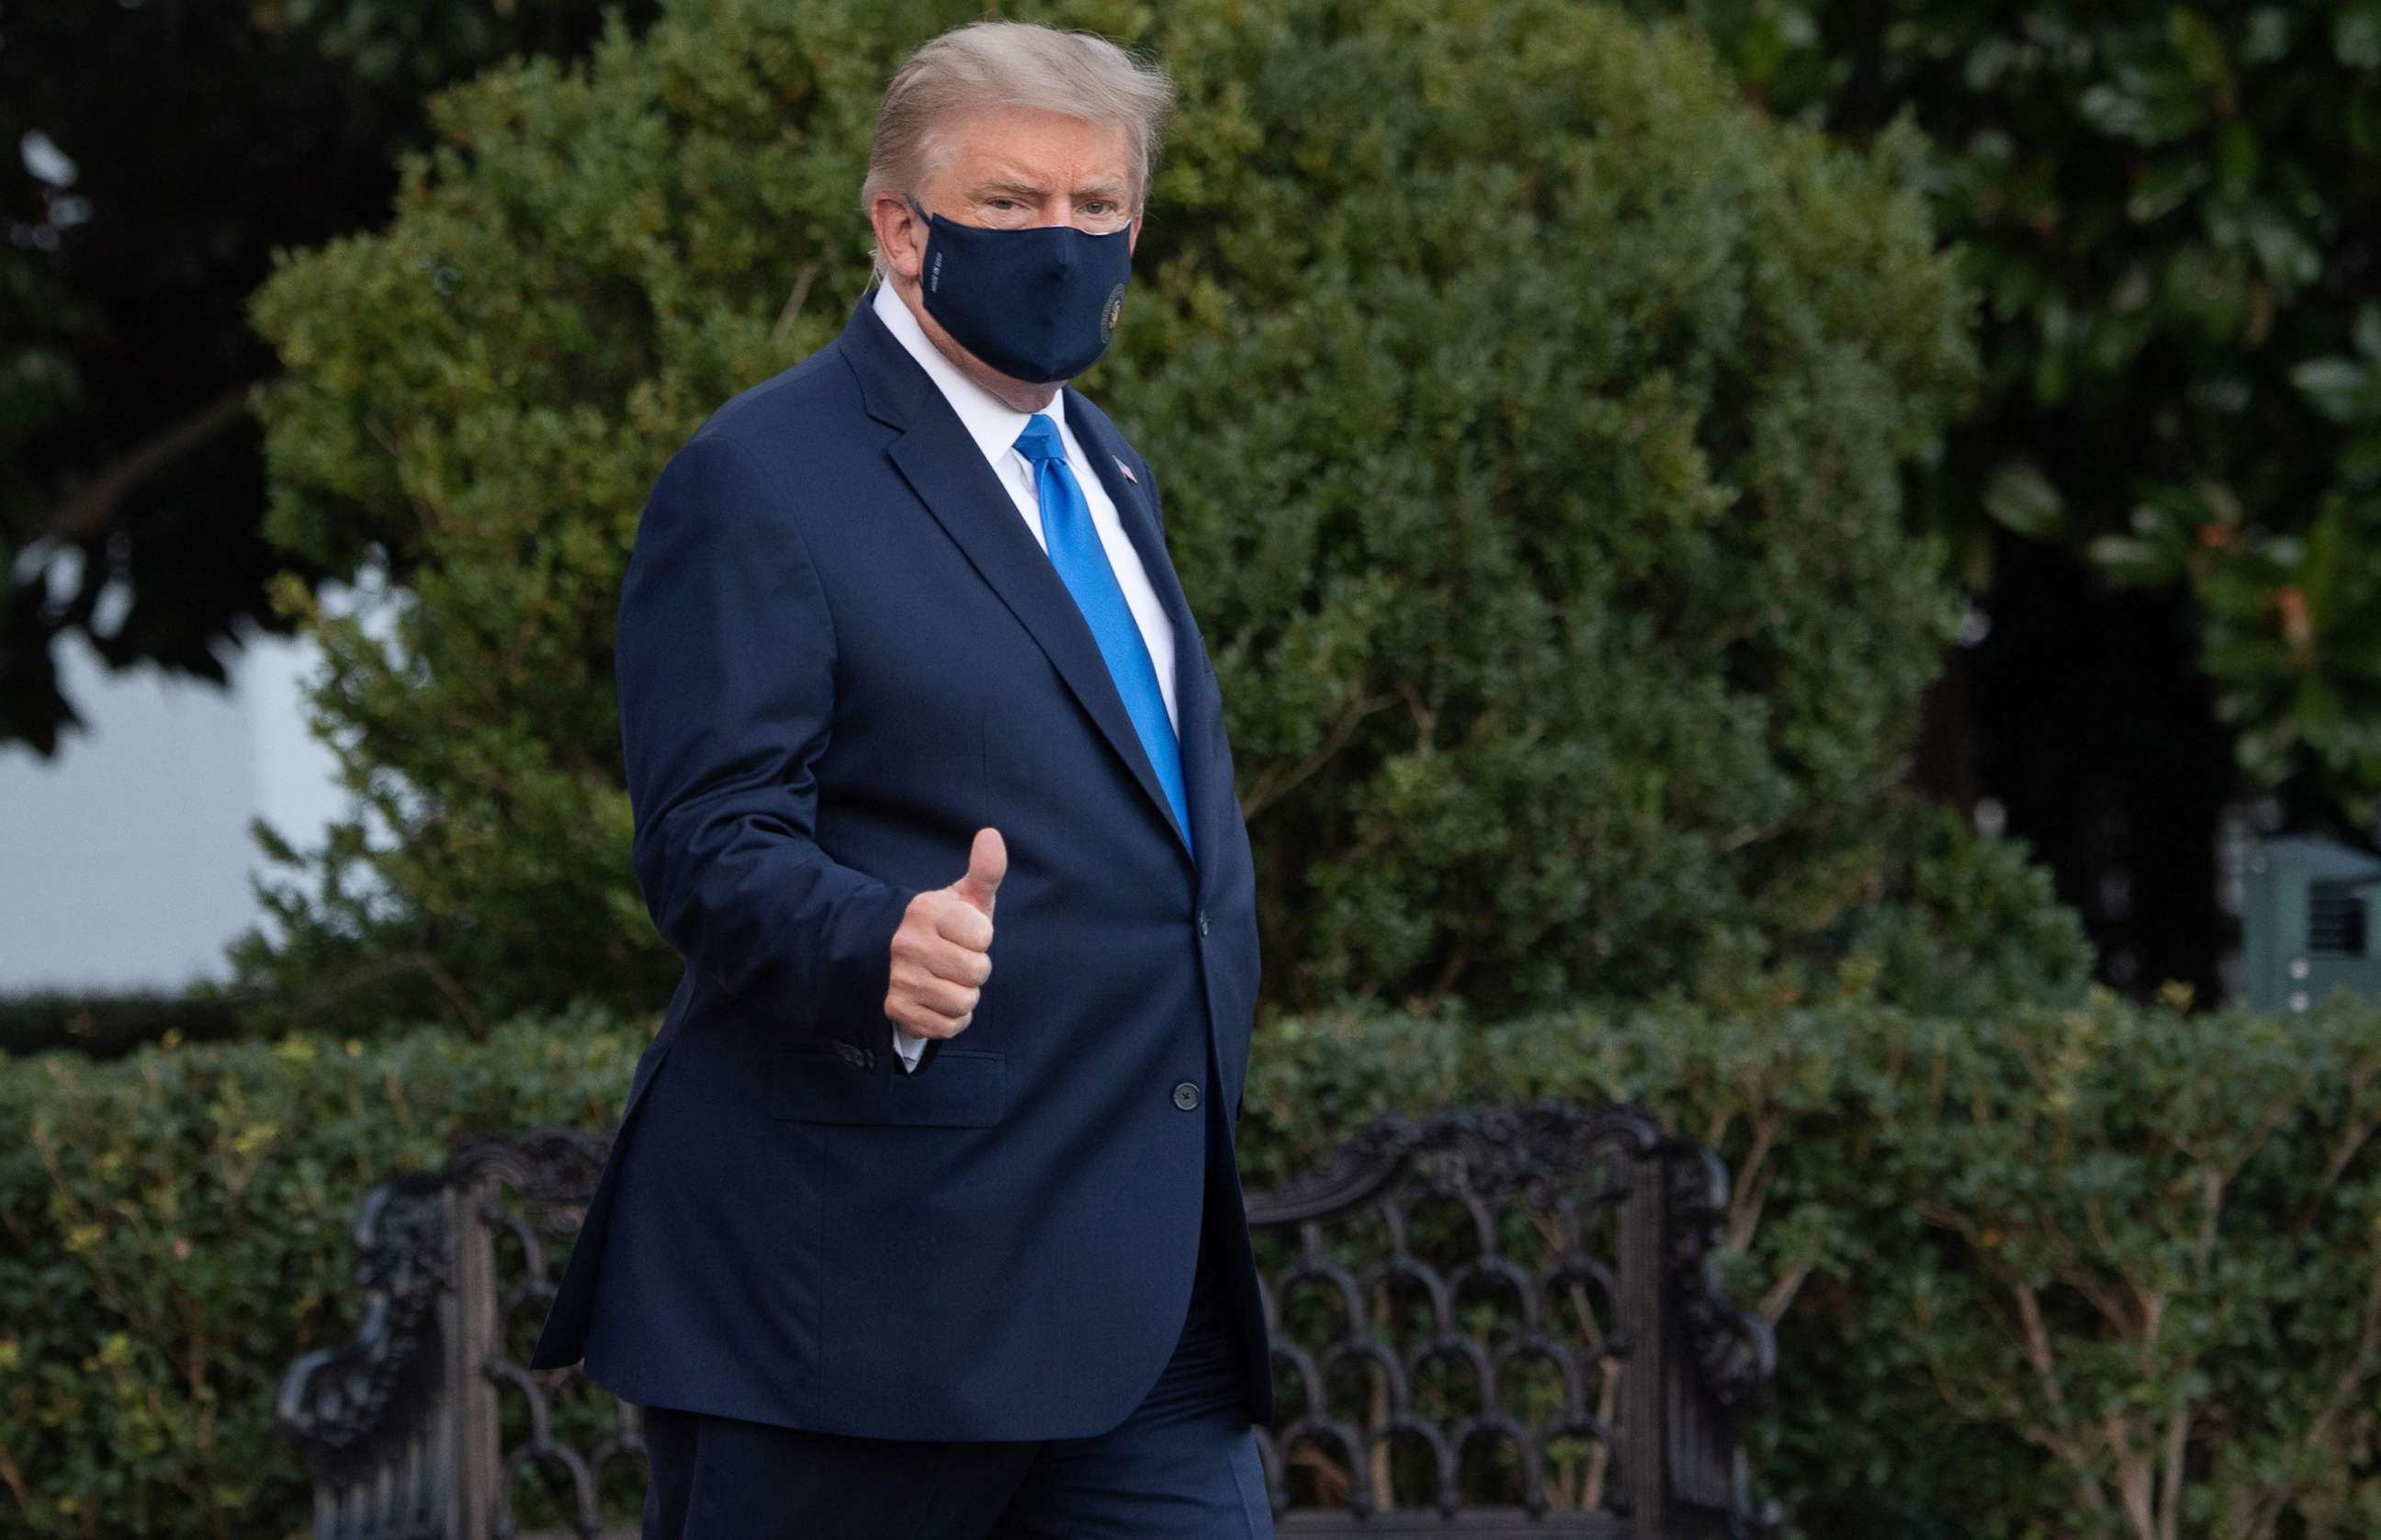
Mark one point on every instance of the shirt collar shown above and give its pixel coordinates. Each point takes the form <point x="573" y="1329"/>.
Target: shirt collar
<point x="991" y="423"/>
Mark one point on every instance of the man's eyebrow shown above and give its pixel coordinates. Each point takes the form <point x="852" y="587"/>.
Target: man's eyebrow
<point x="1002" y="186"/>
<point x="1010" y="186"/>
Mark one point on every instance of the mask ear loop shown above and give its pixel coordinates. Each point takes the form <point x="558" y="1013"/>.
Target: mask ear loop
<point x="924" y="217"/>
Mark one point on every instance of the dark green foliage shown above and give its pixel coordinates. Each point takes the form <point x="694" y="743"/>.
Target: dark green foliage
<point x="106" y="1027"/>
<point x="2171" y="211"/>
<point x="191" y="140"/>
<point x="1532" y="419"/>
<point x="2189" y="1204"/>
<point x="175" y="1227"/>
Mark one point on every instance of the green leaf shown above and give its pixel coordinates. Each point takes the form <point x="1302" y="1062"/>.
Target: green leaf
<point x="2356" y="33"/>
<point x="2368" y="331"/>
<point x="2337" y="387"/>
<point x="2360" y="461"/>
<point x="2130" y="559"/>
<point x="2202" y="47"/>
<point x="2268" y="35"/>
<point x="2236" y="156"/>
<point x="2022" y="499"/>
<point x="2327" y="549"/>
<point x="2112" y="110"/>
<point x="2283" y="249"/>
<point x="2163" y="188"/>
<point x="2220" y="502"/>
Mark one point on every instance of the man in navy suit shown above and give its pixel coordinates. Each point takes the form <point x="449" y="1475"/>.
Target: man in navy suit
<point x="922" y="1220"/>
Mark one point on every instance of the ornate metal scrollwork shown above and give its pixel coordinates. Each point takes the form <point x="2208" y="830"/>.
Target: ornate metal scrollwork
<point x="1735" y="1352"/>
<point x="551" y="1169"/>
<point x="342" y="1406"/>
<point x="1524" y="1212"/>
<point x="1480" y="1160"/>
<point x="1352" y="1172"/>
<point x="1558" y="1164"/>
<point x="1503" y="1150"/>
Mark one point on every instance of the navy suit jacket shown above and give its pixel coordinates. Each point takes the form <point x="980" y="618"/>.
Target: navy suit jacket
<point x="841" y="652"/>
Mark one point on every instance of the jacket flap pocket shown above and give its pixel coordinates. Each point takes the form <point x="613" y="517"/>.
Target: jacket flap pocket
<point x="960" y="1088"/>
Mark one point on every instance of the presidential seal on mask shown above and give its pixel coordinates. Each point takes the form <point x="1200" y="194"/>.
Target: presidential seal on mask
<point x="922" y="1217"/>
<point x="1037" y="305"/>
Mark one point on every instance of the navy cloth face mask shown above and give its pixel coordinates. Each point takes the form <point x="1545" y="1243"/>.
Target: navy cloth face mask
<point x="1038" y="305"/>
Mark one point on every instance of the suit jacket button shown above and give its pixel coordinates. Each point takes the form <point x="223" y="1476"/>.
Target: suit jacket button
<point x="1202" y="922"/>
<point x="1186" y="1096"/>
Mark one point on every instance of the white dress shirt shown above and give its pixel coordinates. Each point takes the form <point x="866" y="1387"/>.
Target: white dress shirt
<point x="994" y="425"/>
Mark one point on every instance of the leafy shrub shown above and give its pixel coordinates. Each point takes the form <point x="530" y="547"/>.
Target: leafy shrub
<point x="2106" y="1271"/>
<point x="1533" y="419"/>
<point x="177" y="1228"/>
<point x="107" y="1025"/>
<point x="2167" y="208"/>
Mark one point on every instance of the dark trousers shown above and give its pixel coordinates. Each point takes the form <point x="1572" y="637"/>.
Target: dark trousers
<point x="1182" y="1466"/>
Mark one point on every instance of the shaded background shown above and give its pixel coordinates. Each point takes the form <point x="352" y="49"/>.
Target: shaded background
<point x="2156" y="519"/>
<point x="2169" y="209"/>
<point x="158" y="152"/>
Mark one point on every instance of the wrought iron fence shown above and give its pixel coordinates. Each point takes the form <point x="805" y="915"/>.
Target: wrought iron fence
<point x="1494" y="1320"/>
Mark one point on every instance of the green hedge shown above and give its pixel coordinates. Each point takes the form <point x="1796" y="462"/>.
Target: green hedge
<point x="107" y="1026"/>
<point x="2103" y="1270"/>
<point x="177" y="1229"/>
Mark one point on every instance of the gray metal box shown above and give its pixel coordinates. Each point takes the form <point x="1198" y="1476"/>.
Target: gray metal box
<point x="2306" y="923"/>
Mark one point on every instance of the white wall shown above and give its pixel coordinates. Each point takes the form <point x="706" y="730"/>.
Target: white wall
<point x="124" y="860"/>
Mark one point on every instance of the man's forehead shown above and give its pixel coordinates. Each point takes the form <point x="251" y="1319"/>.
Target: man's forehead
<point x="1029" y="148"/>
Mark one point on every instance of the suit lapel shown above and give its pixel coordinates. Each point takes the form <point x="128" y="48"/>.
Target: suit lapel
<point x="1197" y="719"/>
<point x="943" y="466"/>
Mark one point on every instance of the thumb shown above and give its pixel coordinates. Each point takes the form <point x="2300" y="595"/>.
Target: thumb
<point x="987" y="863"/>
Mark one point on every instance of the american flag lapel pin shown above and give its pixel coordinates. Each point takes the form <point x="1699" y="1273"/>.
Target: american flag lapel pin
<point x="1128" y="471"/>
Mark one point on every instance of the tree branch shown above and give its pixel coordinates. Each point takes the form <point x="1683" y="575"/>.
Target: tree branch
<point x="90" y="503"/>
<point x="1274" y="784"/>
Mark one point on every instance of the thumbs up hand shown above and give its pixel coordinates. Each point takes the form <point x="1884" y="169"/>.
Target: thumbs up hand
<point x="942" y="954"/>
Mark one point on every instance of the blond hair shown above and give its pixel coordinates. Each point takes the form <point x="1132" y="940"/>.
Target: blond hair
<point x="990" y="65"/>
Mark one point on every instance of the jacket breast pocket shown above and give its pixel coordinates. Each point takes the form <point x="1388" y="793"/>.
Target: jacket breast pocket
<point x="960" y="1088"/>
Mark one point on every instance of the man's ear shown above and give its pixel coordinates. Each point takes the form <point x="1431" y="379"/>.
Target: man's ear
<point x="899" y="234"/>
<point x="1132" y="240"/>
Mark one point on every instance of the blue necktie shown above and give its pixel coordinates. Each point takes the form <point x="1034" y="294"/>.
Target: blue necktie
<point x="1082" y="565"/>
